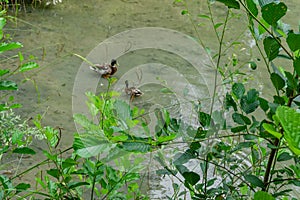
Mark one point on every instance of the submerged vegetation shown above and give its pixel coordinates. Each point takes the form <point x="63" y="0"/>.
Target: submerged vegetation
<point x="248" y="148"/>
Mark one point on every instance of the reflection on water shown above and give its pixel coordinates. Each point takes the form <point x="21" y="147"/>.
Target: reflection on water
<point x="169" y="81"/>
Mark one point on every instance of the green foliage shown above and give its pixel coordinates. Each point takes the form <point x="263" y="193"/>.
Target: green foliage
<point x="236" y="152"/>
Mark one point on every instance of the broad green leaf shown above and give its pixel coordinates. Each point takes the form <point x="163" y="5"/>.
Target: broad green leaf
<point x="122" y="110"/>
<point x="28" y="66"/>
<point x="87" y="124"/>
<point x="240" y="119"/>
<point x="270" y="129"/>
<point x="261" y="195"/>
<point x="54" y="172"/>
<point x="10" y="46"/>
<point x="252" y="7"/>
<point x="69" y="162"/>
<point x="88" y="145"/>
<point x="263" y="104"/>
<point x="24" y="150"/>
<point x="238" y="90"/>
<point x="284" y="156"/>
<point x="289" y="120"/>
<point x="134" y="146"/>
<point x="231" y="3"/>
<point x="238" y="129"/>
<point x="8" y="85"/>
<point x="184" y="157"/>
<point x="277" y="81"/>
<point x="271" y="47"/>
<point x="191" y="177"/>
<point x="3" y="71"/>
<point x="250" y="102"/>
<point x="254" y="180"/>
<point x="272" y="12"/>
<point x="204" y="119"/>
<point x="293" y="41"/>
<point x="296" y="65"/>
<point x="22" y="187"/>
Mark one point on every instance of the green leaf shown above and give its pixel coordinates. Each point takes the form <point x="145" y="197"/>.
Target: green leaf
<point x="184" y="12"/>
<point x="270" y="129"/>
<point x="241" y="119"/>
<point x="8" y="85"/>
<point x="250" y="102"/>
<point x="204" y="16"/>
<point x="238" y="90"/>
<point x="277" y="81"/>
<point x="218" y="25"/>
<point x="184" y="157"/>
<point x="88" y="145"/>
<point x="191" y="177"/>
<point x="2" y="22"/>
<point x="252" y="7"/>
<point x="134" y="146"/>
<point x="22" y="187"/>
<point x="272" y="12"/>
<point x="271" y="47"/>
<point x="163" y="138"/>
<point x="293" y="41"/>
<point x="204" y="119"/>
<point x="254" y="180"/>
<point x="289" y="119"/>
<point x="263" y="104"/>
<point x="9" y="46"/>
<point x="238" y="129"/>
<point x="3" y="71"/>
<point x="231" y="3"/>
<point x="122" y="109"/>
<point x="284" y="157"/>
<point x="253" y="65"/>
<point x="291" y="81"/>
<point x="53" y="172"/>
<point x="28" y="66"/>
<point x="73" y="185"/>
<point x="24" y="150"/>
<point x="261" y="195"/>
<point x="229" y="102"/>
<point x="69" y="162"/>
<point x="296" y="65"/>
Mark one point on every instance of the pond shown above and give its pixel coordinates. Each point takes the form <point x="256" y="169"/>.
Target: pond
<point x="163" y="61"/>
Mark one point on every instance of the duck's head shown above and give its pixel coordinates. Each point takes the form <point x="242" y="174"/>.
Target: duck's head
<point x="113" y="62"/>
<point x="126" y="83"/>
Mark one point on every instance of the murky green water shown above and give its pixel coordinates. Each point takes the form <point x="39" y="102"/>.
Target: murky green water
<point x="74" y="26"/>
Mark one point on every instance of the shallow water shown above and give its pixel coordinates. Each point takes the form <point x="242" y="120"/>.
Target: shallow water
<point x="53" y="35"/>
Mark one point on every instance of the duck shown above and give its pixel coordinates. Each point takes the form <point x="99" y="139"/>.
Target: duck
<point x="106" y="70"/>
<point x="132" y="91"/>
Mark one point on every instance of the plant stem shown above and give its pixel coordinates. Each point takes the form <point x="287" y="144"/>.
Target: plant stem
<point x="269" y="165"/>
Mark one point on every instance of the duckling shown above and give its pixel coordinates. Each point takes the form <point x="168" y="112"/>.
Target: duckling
<point x="132" y="91"/>
<point x="106" y="70"/>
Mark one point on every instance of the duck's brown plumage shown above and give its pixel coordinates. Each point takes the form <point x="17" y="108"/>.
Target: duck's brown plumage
<point x="106" y="70"/>
<point x="132" y="91"/>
